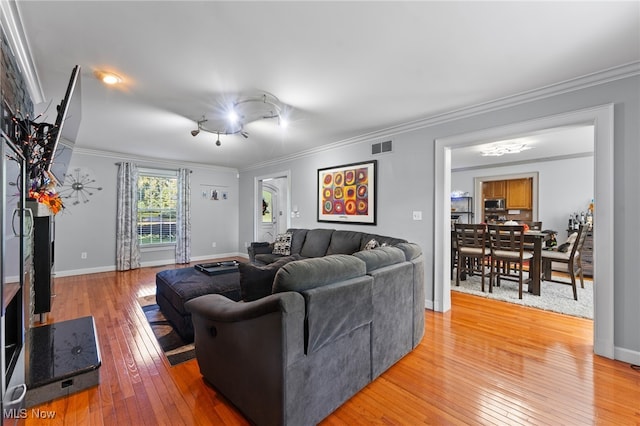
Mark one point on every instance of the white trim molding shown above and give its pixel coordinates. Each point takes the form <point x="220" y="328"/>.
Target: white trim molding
<point x="19" y="44"/>
<point x="601" y="117"/>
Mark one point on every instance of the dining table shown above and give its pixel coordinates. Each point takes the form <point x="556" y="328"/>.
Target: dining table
<point x="536" y="239"/>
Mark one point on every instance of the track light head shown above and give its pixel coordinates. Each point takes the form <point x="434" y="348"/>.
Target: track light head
<point x="195" y="132"/>
<point x="218" y="143"/>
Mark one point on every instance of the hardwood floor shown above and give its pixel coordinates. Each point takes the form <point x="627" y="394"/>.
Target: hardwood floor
<point x="484" y="362"/>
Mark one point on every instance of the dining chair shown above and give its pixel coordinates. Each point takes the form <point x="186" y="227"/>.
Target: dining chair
<point x="473" y="254"/>
<point x="572" y="258"/>
<point x="534" y="226"/>
<point x="507" y="248"/>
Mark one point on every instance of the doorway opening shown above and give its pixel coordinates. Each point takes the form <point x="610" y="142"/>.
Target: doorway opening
<point x="602" y="119"/>
<point x="272" y="204"/>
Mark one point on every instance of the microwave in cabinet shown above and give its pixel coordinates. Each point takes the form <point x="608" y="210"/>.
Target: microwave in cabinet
<point x="494" y="204"/>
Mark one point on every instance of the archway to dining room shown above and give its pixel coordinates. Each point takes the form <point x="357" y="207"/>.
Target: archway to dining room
<point x="602" y="120"/>
<point x="531" y="187"/>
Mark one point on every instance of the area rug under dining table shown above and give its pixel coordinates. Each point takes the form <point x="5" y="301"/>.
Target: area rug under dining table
<point x="554" y="297"/>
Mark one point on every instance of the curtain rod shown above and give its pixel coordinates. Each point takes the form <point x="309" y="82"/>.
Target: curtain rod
<point x="157" y="168"/>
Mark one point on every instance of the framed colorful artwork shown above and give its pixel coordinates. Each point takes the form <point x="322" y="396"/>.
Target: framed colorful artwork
<point x="347" y="193"/>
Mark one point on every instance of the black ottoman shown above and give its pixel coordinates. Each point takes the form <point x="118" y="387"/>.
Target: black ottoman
<point x="176" y="286"/>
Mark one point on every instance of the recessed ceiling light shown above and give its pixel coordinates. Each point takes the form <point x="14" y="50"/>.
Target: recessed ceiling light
<point x="107" y="77"/>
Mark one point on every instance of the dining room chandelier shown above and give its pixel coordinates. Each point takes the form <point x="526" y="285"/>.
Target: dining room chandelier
<point x="234" y="117"/>
<point x="500" y="150"/>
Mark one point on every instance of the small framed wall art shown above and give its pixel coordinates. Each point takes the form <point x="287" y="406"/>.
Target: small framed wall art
<point x="347" y="193"/>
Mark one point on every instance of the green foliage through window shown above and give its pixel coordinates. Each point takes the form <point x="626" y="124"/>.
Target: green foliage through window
<point x="157" y="200"/>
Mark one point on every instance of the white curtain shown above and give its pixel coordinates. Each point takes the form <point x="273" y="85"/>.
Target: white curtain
<point x="127" y="244"/>
<point x="183" y="219"/>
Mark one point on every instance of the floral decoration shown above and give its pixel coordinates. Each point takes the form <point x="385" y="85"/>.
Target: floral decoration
<point x="46" y="194"/>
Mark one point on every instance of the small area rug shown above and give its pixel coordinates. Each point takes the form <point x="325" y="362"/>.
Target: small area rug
<point x="554" y="297"/>
<point x="174" y="348"/>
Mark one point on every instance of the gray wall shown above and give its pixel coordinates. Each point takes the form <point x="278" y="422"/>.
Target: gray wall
<point x="564" y="186"/>
<point x="406" y="183"/>
<point x="90" y="227"/>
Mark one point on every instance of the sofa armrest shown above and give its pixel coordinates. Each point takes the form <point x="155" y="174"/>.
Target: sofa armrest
<point x="216" y="307"/>
<point x="258" y="248"/>
<point x="245" y="348"/>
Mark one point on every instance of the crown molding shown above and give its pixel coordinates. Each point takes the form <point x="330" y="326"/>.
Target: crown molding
<point x="594" y="79"/>
<point x="19" y="44"/>
<point x="151" y="161"/>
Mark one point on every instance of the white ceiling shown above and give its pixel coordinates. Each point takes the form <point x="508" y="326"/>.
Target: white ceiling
<point x="565" y="142"/>
<point x="347" y="68"/>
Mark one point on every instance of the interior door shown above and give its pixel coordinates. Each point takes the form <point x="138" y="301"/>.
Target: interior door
<point x="268" y="224"/>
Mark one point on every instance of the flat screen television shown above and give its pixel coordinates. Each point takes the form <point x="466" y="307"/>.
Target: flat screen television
<point x="62" y="137"/>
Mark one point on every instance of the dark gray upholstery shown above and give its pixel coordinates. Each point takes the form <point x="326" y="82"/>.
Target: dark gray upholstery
<point x="317" y="272"/>
<point x="316" y="242"/>
<point x="174" y="287"/>
<point x="320" y="242"/>
<point x="380" y="257"/>
<point x="345" y="242"/>
<point x="333" y="323"/>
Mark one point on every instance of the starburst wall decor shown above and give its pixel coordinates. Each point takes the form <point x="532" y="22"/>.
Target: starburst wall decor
<point x="78" y="187"/>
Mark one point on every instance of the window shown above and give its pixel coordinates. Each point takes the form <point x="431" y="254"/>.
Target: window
<point x="157" y="200"/>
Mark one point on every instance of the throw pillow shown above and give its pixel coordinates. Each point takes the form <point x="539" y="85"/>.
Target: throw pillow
<point x="568" y="245"/>
<point x="282" y="244"/>
<point x="256" y="281"/>
<point x="371" y="244"/>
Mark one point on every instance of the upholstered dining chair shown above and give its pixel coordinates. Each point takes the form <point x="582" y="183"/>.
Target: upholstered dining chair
<point x="473" y="253"/>
<point x="572" y="258"/>
<point x="507" y="248"/>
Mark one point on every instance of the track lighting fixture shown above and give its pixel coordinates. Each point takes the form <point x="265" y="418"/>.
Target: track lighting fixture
<point x="245" y="110"/>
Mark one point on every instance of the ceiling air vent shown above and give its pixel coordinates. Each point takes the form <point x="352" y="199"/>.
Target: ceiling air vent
<point x="380" y="147"/>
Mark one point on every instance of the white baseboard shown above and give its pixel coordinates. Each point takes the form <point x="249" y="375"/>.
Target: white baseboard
<point x="150" y="264"/>
<point x="627" y="355"/>
<point x="73" y="272"/>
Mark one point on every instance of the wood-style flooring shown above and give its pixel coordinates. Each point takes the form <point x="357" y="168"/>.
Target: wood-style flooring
<point x="483" y="362"/>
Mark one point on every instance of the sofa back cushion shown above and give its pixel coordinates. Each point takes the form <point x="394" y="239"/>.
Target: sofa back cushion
<point x="256" y="281"/>
<point x="316" y="243"/>
<point x="411" y="250"/>
<point x="297" y="239"/>
<point x="380" y="257"/>
<point x="316" y="272"/>
<point x="345" y="242"/>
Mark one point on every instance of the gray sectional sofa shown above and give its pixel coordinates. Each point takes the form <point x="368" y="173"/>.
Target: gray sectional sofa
<point x="335" y="320"/>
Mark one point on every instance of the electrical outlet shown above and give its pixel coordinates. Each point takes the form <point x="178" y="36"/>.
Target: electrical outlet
<point x="213" y="244"/>
<point x="417" y="215"/>
<point x="83" y="255"/>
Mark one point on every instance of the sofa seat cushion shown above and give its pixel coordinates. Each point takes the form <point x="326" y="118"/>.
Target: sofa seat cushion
<point x="267" y="258"/>
<point x="316" y="242"/>
<point x="380" y="257"/>
<point x="256" y="281"/>
<point x="316" y="272"/>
